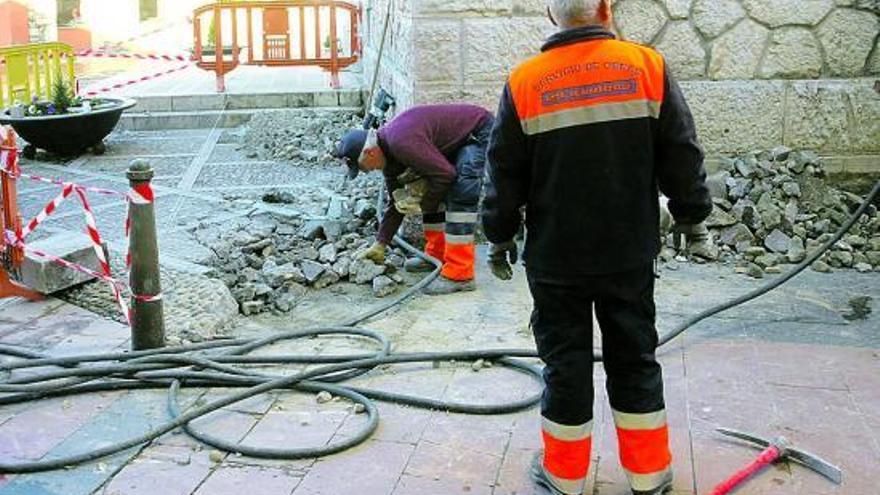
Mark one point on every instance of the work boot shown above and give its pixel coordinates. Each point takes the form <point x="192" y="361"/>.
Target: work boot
<point x="418" y="265"/>
<point x="539" y="477"/>
<point x="664" y="487"/>
<point x="442" y="286"/>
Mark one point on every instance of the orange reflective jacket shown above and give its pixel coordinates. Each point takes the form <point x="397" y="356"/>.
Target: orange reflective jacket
<point x="586" y="133"/>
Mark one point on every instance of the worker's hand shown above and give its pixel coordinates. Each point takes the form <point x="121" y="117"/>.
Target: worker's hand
<point x="376" y="253"/>
<point x="696" y="240"/>
<point x="685" y="233"/>
<point x="501" y="256"/>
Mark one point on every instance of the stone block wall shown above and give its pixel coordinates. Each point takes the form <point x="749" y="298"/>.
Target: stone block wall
<point x="757" y="73"/>
<point x="396" y="73"/>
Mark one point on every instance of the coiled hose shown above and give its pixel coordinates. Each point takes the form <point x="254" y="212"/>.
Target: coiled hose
<point x="213" y="364"/>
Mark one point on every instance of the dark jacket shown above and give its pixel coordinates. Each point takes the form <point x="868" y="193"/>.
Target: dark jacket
<point x="423" y="139"/>
<point x="585" y="134"/>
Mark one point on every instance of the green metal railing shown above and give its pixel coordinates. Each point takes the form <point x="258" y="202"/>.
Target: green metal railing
<point x="31" y="70"/>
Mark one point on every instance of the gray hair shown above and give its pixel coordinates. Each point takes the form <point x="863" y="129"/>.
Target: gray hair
<point x="570" y="13"/>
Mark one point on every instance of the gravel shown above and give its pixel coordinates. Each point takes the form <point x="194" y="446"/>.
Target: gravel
<point x="777" y="207"/>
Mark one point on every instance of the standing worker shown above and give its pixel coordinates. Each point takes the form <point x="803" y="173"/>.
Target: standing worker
<point x="586" y="133"/>
<point x="433" y="158"/>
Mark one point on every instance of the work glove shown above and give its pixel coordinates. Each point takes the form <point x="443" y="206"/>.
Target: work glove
<point x="408" y="199"/>
<point x="501" y="256"/>
<point x="376" y="253"/>
<point x="696" y="240"/>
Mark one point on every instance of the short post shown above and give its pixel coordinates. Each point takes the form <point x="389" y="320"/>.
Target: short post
<point x="147" y="320"/>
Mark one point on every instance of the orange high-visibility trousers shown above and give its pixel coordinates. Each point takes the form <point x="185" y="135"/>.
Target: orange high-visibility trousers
<point x="455" y="251"/>
<point x="562" y="321"/>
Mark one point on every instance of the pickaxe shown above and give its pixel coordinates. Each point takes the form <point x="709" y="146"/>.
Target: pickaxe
<point x="780" y="448"/>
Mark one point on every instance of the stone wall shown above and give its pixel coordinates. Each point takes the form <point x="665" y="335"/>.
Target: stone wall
<point x="396" y="72"/>
<point x="757" y="73"/>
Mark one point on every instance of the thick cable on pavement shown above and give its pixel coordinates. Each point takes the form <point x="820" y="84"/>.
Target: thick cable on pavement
<point x="215" y="365"/>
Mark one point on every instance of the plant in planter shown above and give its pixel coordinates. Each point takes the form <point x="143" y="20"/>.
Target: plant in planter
<point x="63" y="101"/>
<point x="65" y="124"/>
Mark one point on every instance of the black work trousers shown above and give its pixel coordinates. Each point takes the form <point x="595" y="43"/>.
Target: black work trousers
<point x="562" y="322"/>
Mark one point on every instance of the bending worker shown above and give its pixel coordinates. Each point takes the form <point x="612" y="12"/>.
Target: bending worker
<point x="433" y="158"/>
<point x="586" y="133"/>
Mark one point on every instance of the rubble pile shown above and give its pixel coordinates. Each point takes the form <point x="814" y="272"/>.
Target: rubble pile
<point x="270" y="260"/>
<point x="775" y="207"/>
<point x="305" y="137"/>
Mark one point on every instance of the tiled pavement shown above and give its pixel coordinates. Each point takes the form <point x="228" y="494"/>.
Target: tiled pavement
<point x="787" y="364"/>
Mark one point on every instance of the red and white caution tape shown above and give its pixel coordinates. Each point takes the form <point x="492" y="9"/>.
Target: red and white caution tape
<point x="8" y="158"/>
<point x="138" y="56"/>
<point x="98" y="246"/>
<point x="96" y="190"/>
<point x="56" y="182"/>
<point x="120" y="85"/>
<point x="9" y="162"/>
<point x="142" y="194"/>
<point x="47" y="210"/>
<point x="115" y="285"/>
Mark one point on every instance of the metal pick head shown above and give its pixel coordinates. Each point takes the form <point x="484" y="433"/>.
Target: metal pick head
<point x="802" y="457"/>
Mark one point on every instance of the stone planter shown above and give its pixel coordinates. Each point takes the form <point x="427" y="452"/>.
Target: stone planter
<point x="68" y="134"/>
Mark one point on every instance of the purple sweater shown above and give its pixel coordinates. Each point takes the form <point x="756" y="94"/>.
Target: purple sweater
<point x="425" y="139"/>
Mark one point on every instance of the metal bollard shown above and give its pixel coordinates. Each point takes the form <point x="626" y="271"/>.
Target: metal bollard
<point x="147" y="320"/>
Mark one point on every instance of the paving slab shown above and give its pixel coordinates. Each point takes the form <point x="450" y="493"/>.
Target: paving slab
<point x="177" y="470"/>
<point x="336" y="475"/>
<point x="248" y="479"/>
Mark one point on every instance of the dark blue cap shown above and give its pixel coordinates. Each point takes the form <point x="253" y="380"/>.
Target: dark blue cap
<point x="350" y="148"/>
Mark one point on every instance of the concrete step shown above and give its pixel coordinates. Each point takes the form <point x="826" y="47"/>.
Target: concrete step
<point x="249" y="101"/>
<point x="159" y="121"/>
<point x="154" y="113"/>
<point x="222" y="119"/>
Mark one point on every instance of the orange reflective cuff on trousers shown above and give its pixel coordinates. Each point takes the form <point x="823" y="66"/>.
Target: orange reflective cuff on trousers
<point x="567" y="451"/>
<point x="643" y="440"/>
<point x="459" y="259"/>
<point x="435" y="238"/>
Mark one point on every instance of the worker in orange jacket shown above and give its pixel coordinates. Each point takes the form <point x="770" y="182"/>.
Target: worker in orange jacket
<point x="586" y="134"/>
<point x="433" y="159"/>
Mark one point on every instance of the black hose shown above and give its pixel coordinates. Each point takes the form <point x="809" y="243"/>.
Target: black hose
<point x="185" y="367"/>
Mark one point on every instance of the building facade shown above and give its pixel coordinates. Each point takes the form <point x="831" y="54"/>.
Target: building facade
<point x="757" y="73"/>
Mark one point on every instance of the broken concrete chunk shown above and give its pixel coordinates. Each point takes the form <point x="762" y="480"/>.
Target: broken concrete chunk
<point x="755" y="271"/>
<point x="778" y="242"/>
<point x="252" y="307"/>
<point x="796" y="250"/>
<point x="327" y="278"/>
<point x="327" y="253"/>
<point x="383" y="286"/>
<point x="47" y="277"/>
<point x="312" y="270"/>
<point x="364" y="271"/>
<point x="820" y="266"/>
